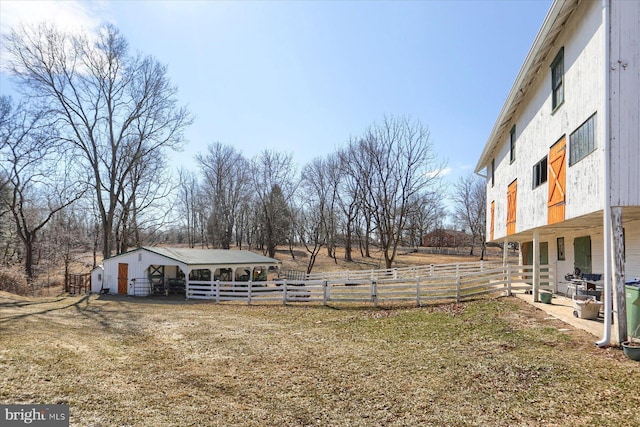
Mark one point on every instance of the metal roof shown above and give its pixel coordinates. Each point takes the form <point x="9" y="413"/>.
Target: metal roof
<point x="210" y="256"/>
<point x="553" y="25"/>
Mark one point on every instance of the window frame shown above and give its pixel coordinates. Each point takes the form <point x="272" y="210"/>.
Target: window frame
<point x="540" y="172"/>
<point x="560" y="248"/>
<point x="493" y="172"/>
<point x="557" y="82"/>
<point x="575" y="138"/>
<point x="512" y="144"/>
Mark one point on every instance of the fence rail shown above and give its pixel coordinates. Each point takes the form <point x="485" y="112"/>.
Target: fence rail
<point x="420" y="284"/>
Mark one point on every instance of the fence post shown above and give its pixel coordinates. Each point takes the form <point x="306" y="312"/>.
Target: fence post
<point x="325" y="290"/>
<point x="395" y="273"/>
<point x="374" y="293"/>
<point x="284" y="292"/>
<point x="431" y="270"/>
<point x="418" y="292"/>
<point x="216" y="287"/>
<point x="508" y="280"/>
<point x="249" y="293"/>
<point x="457" y="282"/>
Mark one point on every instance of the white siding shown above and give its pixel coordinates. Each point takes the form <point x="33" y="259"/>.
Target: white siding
<point x="138" y="262"/>
<point x="625" y="103"/>
<point x="97" y="274"/>
<point x="538" y="128"/>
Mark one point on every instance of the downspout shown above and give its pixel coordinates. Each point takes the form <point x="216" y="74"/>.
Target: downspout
<point x="606" y="214"/>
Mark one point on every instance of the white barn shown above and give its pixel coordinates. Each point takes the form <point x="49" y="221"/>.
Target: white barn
<point x="562" y="162"/>
<point x="149" y="270"/>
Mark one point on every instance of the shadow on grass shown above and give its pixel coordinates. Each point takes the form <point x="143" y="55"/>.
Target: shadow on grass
<point x="97" y="314"/>
<point x="28" y="303"/>
<point x="75" y="304"/>
<point x="160" y="299"/>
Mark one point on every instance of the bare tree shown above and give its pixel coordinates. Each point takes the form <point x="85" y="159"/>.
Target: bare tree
<point x="142" y="207"/>
<point x="188" y="194"/>
<point x="400" y="164"/>
<point x="425" y="210"/>
<point x="470" y="198"/>
<point x="317" y="219"/>
<point x="115" y="109"/>
<point x="226" y="184"/>
<point x="350" y="201"/>
<point x="273" y="181"/>
<point x="37" y="174"/>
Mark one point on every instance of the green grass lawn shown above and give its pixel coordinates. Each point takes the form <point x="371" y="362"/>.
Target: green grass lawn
<point x="157" y="362"/>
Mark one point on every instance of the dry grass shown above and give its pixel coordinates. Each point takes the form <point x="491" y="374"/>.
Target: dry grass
<point x="158" y="362"/>
<point x="375" y="261"/>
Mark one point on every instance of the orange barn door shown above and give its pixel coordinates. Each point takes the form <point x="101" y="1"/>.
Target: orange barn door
<point x="557" y="182"/>
<point x="512" y="192"/>
<point x="123" y="278"/>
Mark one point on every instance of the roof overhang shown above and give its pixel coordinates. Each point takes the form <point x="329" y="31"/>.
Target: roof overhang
<point x="193" y="258"/>
<point x="553" y="25"/>
<point x="587" y="224"/>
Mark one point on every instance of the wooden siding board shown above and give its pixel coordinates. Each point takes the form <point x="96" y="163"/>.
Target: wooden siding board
<point x="625" y="103"/>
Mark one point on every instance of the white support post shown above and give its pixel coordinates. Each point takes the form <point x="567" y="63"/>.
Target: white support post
<point x="508" y="280"/>
<point x="505" y="252"/>
<point x="249" y="293"/>
<point x="536" y="266"/>
<point x="418" y="292"/>
<point x="216" y="286"/>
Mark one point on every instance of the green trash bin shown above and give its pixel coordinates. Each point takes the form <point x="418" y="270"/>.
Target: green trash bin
<point x="632" y="295"/>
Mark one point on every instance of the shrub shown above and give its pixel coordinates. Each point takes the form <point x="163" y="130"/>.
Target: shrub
<point x="11" y="281"/>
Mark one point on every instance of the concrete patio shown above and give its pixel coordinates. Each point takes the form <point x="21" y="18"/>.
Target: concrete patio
<point x="562" y="309"/>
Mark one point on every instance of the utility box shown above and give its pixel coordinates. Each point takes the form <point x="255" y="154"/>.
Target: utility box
<point x="632" y="295"/>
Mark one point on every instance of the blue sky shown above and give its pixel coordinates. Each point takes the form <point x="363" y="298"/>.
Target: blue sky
<point x="304" y="77"/>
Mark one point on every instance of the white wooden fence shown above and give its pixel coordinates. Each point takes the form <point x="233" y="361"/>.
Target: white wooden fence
<point x="417" y="284"/>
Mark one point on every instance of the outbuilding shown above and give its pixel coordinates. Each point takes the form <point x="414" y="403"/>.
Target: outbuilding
<point x="163" y="271"/>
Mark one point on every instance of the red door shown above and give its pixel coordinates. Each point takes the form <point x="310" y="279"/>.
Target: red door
<point x="123" y="278"/>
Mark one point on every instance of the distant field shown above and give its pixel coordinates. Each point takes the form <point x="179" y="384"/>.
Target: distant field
<point x="404" y="258"/>
<point x="121" y="361"/>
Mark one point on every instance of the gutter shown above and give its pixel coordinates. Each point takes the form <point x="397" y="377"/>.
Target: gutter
<point x="606" y="214"/>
